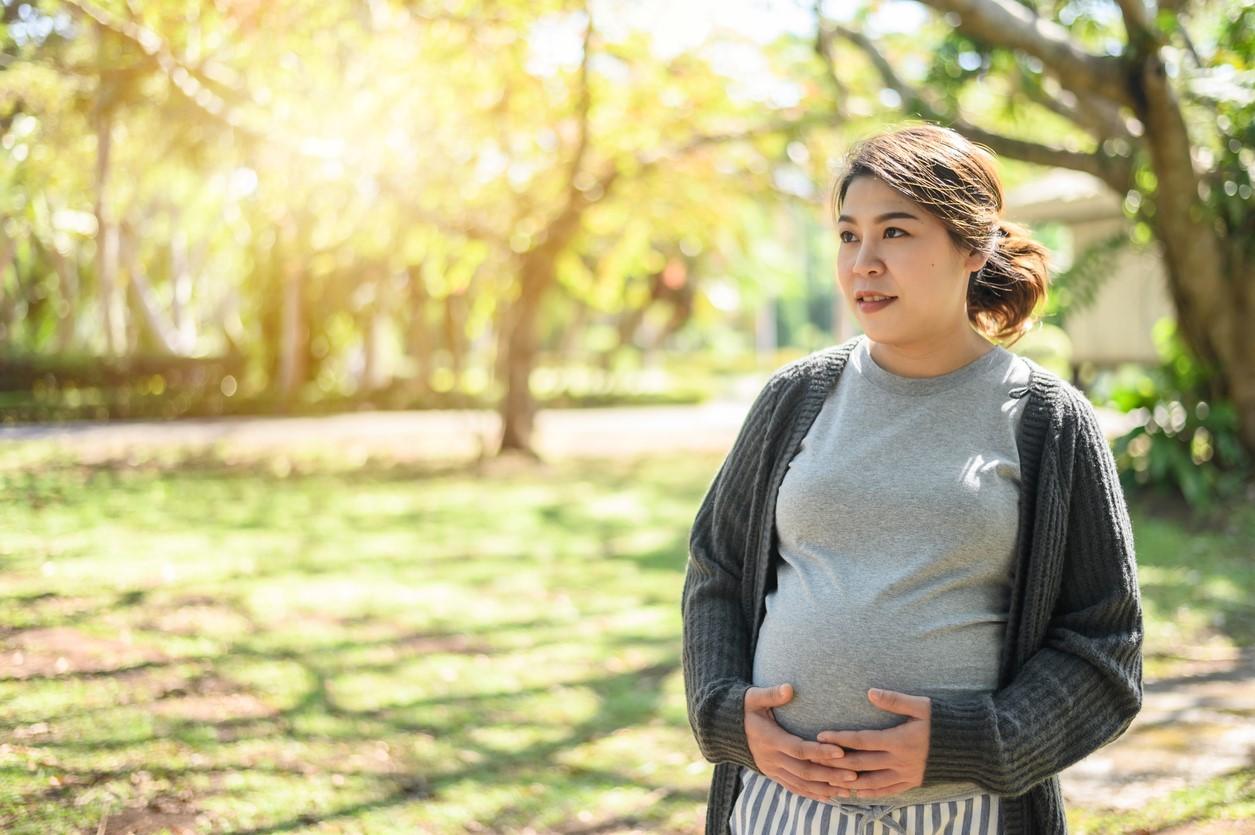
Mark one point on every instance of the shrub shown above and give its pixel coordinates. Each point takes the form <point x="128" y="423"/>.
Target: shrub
<point x="1186" y="442"/>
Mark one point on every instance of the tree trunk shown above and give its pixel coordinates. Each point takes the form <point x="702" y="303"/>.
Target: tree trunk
<point x="535" y="271"/>
<point x="1209" y="281"/>
<point x="454" y="326"/>
<point x="292" y="360"/>
<point x="149" y="305"/>
<point x="418" y="339"/>
<point x="67" y="289"/>
<point x="225" y="320"/>
<point x="536" y="274"/>
<point x="8" y="310"/>
<point x="182" y="281"/>
<point x="518" y="412"/>
<point x="374" y="316"/>
<point x="681" y="313"/>
<point x="573" y="332"/>
<point x="113" y="311"/>
<point x="370" y="382"/>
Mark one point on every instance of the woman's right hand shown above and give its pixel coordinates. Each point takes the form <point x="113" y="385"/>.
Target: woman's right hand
<point x="800" y="765"/>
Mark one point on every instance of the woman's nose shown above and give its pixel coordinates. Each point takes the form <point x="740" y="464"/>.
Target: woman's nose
<point x="867" y="262"/>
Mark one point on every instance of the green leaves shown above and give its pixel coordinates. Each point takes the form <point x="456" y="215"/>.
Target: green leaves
<point x="1187" y="441"/>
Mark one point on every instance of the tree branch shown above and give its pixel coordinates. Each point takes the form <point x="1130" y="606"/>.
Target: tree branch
<point x="583" y="107"/>
<point x="824" y="49"/>
<point x="1099" y="117"/>
<point x="1143" y="34"/>
<point x="195" y="85"/>
<point x="1008" y="24"/>
<point x="702" y="140"/>
<point x="158" y="322"/>
<point x="1115" y="171"/>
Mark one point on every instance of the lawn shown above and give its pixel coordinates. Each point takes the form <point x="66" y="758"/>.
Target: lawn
<point x="300" y="646"/>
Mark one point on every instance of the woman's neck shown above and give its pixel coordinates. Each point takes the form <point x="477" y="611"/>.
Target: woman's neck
<point x="928" y="358"/>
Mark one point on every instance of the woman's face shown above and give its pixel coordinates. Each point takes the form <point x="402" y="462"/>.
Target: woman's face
<point x="891" y="246"/>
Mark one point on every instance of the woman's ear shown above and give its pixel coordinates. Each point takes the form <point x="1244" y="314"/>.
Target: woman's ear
<point x="975" y="261"/>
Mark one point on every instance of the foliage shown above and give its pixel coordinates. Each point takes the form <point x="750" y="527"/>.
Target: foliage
<point x="1075" y="287"/>
<point x="1187" y="441"/>
<point x="394" y="161"/>
<point x="50" y="391"/>
<point x="1048" y="345"/>
<point x="347" y="189"/>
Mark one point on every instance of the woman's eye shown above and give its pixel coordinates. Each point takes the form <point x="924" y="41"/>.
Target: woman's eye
<point x="888" y="229"/>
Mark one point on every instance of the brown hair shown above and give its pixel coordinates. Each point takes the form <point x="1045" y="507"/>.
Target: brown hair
<point x="956" y="180"/>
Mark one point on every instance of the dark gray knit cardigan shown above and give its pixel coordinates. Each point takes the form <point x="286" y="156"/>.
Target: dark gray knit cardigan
<point x="1070" y="675"/>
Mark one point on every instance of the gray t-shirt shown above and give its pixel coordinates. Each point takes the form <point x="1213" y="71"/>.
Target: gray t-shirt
<point x="897" y="523"/>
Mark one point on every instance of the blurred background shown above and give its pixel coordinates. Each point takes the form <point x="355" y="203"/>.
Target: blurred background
<point x="363" y="363"/>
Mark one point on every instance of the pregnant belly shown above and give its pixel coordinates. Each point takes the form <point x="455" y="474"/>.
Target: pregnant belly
<point x="833" y="656"/>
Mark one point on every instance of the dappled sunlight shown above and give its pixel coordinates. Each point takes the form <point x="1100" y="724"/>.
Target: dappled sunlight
<point x="530" y="636"/>
<point x="415" y="650"/>
<point x="364" y="363"/>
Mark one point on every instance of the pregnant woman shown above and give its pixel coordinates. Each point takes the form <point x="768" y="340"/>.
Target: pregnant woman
<point x="911" y="594"/>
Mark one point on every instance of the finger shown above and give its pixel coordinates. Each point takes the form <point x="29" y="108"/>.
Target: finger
<point x="760" y="698"/>
<point x="866" y="760"/>
<point x="805" y="770"/>
<point x="869" y="780"/>
<point x="896" y="788"/>
<point x="862" y="740"/>
<point x="807" y="788"/>
<point x="918" y="707"/>
<point x="804" y="749"/>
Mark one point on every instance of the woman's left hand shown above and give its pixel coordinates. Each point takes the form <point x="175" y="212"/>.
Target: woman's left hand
<point x="888" y="761"/>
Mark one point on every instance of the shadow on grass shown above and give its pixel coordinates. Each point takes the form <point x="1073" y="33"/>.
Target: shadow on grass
<point x="624" y="699"/>
<point x="576" y="603"/>
<point x="511" y="634"/>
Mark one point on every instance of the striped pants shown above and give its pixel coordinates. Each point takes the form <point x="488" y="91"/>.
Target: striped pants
<point x="764" y="807"/>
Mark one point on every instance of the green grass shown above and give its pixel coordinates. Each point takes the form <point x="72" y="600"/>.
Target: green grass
<point x="299" y="646"/>
<point x="1198" y="586"/>
<point x="378" y="650"/>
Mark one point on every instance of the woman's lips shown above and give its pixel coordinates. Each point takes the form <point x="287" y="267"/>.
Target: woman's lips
<point x="872" y="307"/>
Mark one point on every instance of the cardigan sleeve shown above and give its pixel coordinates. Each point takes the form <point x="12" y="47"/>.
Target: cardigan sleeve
<point x="1083" y="686"/>
<point x="718" y="668"/>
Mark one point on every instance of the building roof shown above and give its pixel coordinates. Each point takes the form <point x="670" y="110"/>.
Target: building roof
<point x="1063" y="196"/>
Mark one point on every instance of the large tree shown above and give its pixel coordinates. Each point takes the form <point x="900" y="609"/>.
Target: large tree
<point x="1162" y="98"/>
<point x="297" y="180"/>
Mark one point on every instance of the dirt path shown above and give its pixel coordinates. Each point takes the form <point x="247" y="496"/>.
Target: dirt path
<point x="444" y="435"/>
<point x="1193" y="727"/>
